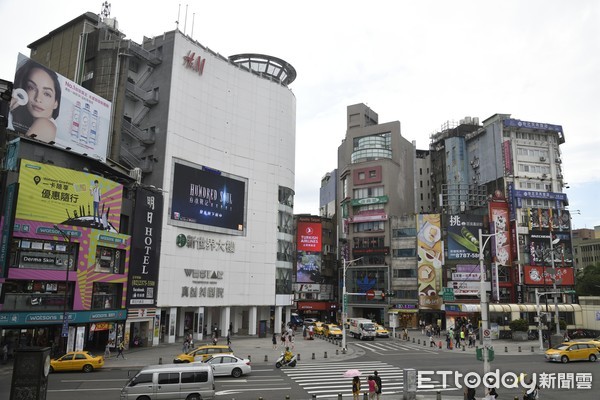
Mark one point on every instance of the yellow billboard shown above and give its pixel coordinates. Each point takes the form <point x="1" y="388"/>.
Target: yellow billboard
<point x="430" y="261"/>
<point x="68" y="197"/>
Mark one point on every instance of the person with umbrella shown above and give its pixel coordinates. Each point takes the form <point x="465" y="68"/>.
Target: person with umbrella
<point x="354" y="374"/>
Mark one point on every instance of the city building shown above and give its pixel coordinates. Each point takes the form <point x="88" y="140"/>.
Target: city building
<point x="376" y="183"/>
<point x="214" y="136"/>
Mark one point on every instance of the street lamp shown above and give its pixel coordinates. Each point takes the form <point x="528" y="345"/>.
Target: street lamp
<point x="345" y="265"/>
<point x="483" y="296"/>
<point x="65" y="320"/>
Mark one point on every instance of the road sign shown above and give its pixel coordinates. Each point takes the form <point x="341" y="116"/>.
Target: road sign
<point x="65" y="328"/>
<point x="487" y="334"/>
<point x="370" y="294"/>
<point x="448" y="294"/>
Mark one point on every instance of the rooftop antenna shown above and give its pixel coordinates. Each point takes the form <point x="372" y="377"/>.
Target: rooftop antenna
<point x="105" y="13"/>
<point x="185" y="23"/>
<point x="193" y="17"/>
<point x="178" y="13"/>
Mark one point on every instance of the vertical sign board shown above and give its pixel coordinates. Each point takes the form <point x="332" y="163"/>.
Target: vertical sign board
<point x="429" y="270"/>
<point x="145" y="249"/>
<point x="308" y="246"/>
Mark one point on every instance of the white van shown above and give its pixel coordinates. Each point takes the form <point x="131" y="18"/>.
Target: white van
<point x="171" y="381"/>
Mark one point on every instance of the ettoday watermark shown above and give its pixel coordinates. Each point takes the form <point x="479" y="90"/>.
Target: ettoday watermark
<point x="506" y="380"/>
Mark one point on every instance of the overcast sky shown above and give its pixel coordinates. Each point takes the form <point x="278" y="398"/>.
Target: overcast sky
<point x="418" y="62"/>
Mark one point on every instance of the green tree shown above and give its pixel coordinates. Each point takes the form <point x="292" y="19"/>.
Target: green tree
<point x="519" y="325"/>
<point x="588" y="281"/>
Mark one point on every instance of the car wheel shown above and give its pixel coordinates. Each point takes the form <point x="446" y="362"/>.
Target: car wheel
<point x="564" y="359"/>
<point x="88" y="368"/>
<point x="51" y="369"/>
<point x="194" y="396"/>
<point x="593" y="358"/>
<point x="236" y="373"/>
<point x="143" y="398"/>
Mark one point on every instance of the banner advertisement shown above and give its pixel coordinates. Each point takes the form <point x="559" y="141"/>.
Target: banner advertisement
<point x="544" y="219"/>
<point x="463" y="236"/>
<point x="51" y="108"/>
<point x="499" y="224"/>
<point x="309" y="234"/>
<point x="541" y="254"/>
<point x="203" y="198"/>
<point x="430" y="250"/>
<point x="68" y="197"/>
<point x="145" y="249"/>
<point x="537" y="275"/>
<point x="308" y="267"/>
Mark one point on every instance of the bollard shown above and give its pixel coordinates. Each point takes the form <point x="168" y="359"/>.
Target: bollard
<point x="314" y="396"/>
<point x="463" y="348"/>
<point x="413" y="340"/>
<point x="438" y="395"/>
<point x="339" y="396"/>
<point x="249" y="358"/>
<point x="298" y="356"/>
<point x="424" y="344"/>
<point x="505" y="349"/>
<point x="440" y="344"/>
<point x="366" y="396"/>
<point x="532" y="349"/>
<point x="160" y="360"/>
<point x="337" y="352"/>
<point x="343" y="350"/>
<point x="519" y="349"/>
<point x="325" y="356"/>
<point x="419" y="341"/>
<point x="266" y="358"/>
<point x="313" y="357"/>
<point x="287" y="397"/>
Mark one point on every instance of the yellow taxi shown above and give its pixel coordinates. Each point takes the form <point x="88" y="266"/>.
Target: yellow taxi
<point x="572" y="351"/>
<point x="77" y="361"/>
<point x="318" y="327"/>
<point x="332" y="330"/>
<point x="202" y="353"/>
<point x="380" y="331"/>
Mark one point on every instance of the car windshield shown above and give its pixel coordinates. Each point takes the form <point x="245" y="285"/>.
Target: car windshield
<point x="368" y="327"/>
<point x="561" y="347"/>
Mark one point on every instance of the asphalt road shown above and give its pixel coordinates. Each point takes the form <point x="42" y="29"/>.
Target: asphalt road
<point x="324" y="377"/>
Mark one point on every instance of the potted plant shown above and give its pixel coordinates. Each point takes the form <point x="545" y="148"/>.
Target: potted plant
<point x="519" y="328"/>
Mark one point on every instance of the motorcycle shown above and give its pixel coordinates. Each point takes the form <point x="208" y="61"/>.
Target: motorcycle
<point x="282" y="363"/>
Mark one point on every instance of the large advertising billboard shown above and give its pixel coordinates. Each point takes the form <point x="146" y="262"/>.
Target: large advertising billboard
<point x="64" y="196"/>
<point x="308" y="267"/>
<point x="541" y="253"/>
<point x="51" y="108"/>
<point x="549" y="219"/>
<point x="536" y="275"/>
<point x="429" y="246"/>
<point x="207" y="199"/>
<point x="499" y="224"/>
<point x="463" y="236"/>
<point x="145" y="249"/>
<point x="308" y="234"/>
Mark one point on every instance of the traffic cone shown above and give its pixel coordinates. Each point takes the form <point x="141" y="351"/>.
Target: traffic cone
<point x="440" y="344"/>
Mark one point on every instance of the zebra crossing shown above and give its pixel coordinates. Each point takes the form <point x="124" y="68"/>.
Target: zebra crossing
<point x="390" y="347"/>
<point x="326" y="380"/>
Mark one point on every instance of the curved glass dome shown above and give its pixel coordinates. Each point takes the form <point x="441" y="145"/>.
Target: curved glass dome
<point x="373" y="147"/>
<point x="270" y="66"/>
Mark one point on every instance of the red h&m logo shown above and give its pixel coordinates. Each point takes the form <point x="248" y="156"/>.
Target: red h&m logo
<point x="194" y="63"/>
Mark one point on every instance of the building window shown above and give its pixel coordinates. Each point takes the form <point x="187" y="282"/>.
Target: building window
<point x="404" y="273"/>
<point x="368" y="192"/>
<point x="404" y="232"/>
<point x="361" y="176"/>
<point x="369" y="226"/>
<point x="42" y="254"/>
<point x="372" y="174"/>
<point x="109" y="260"/>
<point x="106" y="295"/>
<point x="400" y="253"/>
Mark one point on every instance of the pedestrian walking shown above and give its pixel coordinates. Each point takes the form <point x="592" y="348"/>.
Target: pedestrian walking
<point x="186" y="346"/>
<point x="120" y="351"/>
<point x="274" y="341"/>
<point x="372" y="387"/>
<point x="356" y="388"/>
<point x="107" y="351"/>
<point x="4" y="353"/>
<point x="283" y="334"/>
<point x="228" y="339"/>
<point x="431" y="341"/>
<point x="377" y="380"/>
<point x="470" y="392"/>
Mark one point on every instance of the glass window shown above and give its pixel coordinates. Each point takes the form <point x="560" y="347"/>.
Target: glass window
<point x="141" y="378"/>
<point x="105" y="295"/>
<point x="194" y="377"/>
<point x="168" y="378"/>
<point x="404" y="273"/>
<point x="109" y="260"/>
<point x="398" y="253"/>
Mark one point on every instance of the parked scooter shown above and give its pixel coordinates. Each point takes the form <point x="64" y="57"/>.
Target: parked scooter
<point x="281" y="362"/>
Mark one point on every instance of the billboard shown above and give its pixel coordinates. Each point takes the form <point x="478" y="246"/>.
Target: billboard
<point x="65" y="196"/>
<point x="499" y="224"/>
<point x="308" y="267"/>
<point x="540" y="253"/>
<point x="549" y="219"/>
<point x="463" y="236"/>
<point x="308" y="234"/>
<point x="207" y="199"/>
<point x="51" y="108"/>
<point x="145" y="249"/>
<point x="429" y="267"/>
<point x="537" y="275"/>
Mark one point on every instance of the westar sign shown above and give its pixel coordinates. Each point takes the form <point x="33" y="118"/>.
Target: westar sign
<point x="309" y="234"/>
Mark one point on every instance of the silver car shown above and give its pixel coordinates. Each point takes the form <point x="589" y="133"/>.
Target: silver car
<point x="229" y="365"/>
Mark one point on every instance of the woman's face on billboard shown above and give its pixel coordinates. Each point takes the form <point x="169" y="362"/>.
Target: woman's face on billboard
<point x="42" y="94"/>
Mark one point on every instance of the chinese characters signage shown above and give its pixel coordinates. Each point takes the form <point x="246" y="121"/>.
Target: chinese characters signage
<point x="429" y="246"/>
<point x="463" y="236"/>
